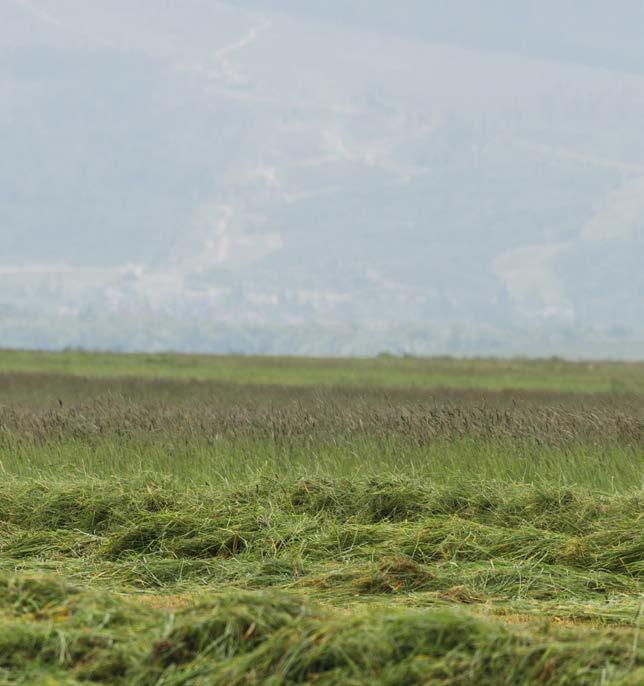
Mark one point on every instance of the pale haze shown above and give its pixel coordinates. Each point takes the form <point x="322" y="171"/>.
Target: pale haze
<point x="338" y="177"/>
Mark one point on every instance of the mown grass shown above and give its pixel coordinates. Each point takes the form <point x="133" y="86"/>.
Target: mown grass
<point x="76" y="636"/>
<point x="319" y="582"/>
<point x="170" y="532"/>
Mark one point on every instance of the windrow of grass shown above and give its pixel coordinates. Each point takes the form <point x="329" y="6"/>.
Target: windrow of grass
<point x="51" y="632"/>
<point x="344" y="538"/>
<point x="95" y="506"/>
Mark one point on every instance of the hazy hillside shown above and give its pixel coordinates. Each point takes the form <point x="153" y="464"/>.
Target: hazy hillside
<point x="467" y="170"/>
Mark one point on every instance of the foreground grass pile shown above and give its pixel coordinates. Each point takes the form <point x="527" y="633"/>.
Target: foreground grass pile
<point x="320" y="581"/>
<point x="173" y="532"/>
<point x="245" y="637"/>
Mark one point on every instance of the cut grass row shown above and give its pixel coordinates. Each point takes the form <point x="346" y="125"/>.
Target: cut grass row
<point x="501" y="543"/>
<point x="388" y="581"/>
<point x="52" y="633"/>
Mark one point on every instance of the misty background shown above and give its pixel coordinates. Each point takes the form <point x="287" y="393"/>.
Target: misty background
<point x="346" y="177"/>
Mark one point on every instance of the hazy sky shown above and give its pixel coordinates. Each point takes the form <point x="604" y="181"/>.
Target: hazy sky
<point x="458" y="162"/>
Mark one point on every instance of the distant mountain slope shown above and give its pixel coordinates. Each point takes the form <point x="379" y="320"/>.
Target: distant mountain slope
<point x="460" y="163"/>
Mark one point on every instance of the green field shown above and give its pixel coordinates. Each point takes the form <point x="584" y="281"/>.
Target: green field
<point x="171" y="520"/>
<point x="383" y="372"/>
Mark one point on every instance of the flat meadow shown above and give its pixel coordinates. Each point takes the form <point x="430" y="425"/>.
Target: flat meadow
<point x="181" y="519"/>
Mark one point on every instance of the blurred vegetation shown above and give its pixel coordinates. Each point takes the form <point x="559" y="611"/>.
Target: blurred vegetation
<point x="386" y="371"/>
<point x="284" y="521"/>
